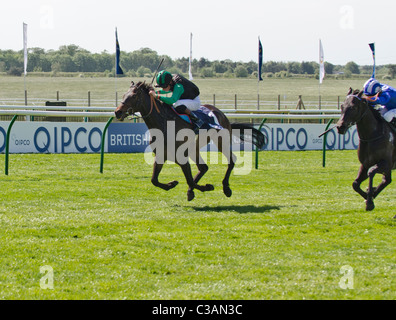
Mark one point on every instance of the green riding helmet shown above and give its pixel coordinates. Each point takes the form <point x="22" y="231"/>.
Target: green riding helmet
<point x="164" y="78"/>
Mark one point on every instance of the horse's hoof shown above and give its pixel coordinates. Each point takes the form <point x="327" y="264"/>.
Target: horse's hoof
<point x="370" y="206"/>
<point x="173" y="184"/>
<point x="209" y="187"/>
<point x="190" y="195"/>
<point x="227" y="191"/>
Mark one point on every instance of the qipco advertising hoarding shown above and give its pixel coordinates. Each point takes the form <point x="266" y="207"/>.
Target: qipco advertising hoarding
<point x="48" y="137"/>
<point x="64" y="137"/>
<point x="295" y="137"/>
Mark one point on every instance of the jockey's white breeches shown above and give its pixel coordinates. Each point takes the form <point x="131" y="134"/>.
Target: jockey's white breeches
<point x="193" y="105"/>
<point x="388" y="115"/>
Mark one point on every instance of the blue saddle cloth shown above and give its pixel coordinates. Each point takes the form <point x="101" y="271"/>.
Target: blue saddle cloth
<point x="207" y="117"/>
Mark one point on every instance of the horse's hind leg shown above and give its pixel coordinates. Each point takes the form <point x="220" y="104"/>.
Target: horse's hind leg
<point x="372" y="192"/>
<point x="225" y="148"/>
<point x="382" y="166"/>
<point x="386" y="180"/>
<point x="226" y="181"/>
<point x="154" y="179"/>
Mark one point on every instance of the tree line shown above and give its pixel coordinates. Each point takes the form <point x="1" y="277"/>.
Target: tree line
<point x="143" y="62"/>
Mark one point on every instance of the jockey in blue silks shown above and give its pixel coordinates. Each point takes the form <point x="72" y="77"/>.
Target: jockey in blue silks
<point x="382" y="95"/>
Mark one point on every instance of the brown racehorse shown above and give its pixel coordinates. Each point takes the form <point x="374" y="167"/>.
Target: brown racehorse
<point x="158" y="117"/>
<point x="377" y="144"/>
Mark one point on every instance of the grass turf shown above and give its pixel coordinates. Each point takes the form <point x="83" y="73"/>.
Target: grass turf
<point x="286" y="232"/>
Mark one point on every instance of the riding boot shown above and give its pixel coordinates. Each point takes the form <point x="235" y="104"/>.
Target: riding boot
<point x="198" y="122"/>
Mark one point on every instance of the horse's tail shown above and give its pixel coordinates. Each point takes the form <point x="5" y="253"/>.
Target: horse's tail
<point x="257" y="137"/>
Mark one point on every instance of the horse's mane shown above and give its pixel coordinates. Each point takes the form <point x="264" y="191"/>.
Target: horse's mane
<point x="147" y="88"/>
<point x="375" y="112"/>
<point x="170" y="114"/>
<point x="143" y="85"/>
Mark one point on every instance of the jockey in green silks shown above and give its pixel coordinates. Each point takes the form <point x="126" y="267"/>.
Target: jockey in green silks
<point x="185" y="94"/>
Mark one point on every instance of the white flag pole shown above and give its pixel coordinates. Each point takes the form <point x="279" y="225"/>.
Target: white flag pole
<point x="115" y="71"/>
<point x="25" y="60"/>
<point x="321" y="67"/>
<point x="190" y="71"/>
<point x="321" y="62"/>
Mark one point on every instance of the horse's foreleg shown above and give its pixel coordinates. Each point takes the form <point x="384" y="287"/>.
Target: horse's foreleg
<point x="202" y="169"/>
<point x="362" y="176"/>
<point x="154" y="179"/>
<point x="201" y="165"/>
<point x="191" y="183"/>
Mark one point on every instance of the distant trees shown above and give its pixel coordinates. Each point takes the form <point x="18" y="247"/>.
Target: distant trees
<point x="307" y="67"/>
<point x="72" y="58"/>
<point x="15" y="71"/>
<point x="241" y="72"/>
<point x="391" y="70"/>
<point x="352" y="68"/>
<point x="329" y="68"/>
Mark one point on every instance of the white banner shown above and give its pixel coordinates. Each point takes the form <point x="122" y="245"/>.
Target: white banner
<point x="294" y="137"/>
<point x="321" y="62"/>
<point x="52" y="137"/>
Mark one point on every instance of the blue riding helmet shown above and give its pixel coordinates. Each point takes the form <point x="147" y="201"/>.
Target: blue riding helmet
<point x="371" y="87"/>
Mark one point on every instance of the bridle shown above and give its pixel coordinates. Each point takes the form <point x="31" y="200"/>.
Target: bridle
<point x="139" y="100"/>
<point x="364" y="113"/>
<point x="361" y="117"/>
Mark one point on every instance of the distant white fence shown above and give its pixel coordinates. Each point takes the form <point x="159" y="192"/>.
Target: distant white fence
<point x="236" y="103"/>
<point x="79" y="111"/>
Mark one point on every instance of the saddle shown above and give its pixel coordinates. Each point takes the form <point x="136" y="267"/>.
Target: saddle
<point x="183" y="116"/>
<point x="205" y="118"/>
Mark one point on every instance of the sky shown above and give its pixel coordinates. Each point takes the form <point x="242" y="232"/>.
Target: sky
<point x="222" y="29"/>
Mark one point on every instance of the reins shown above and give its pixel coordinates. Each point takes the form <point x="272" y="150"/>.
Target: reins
<point x="152" y="100"/>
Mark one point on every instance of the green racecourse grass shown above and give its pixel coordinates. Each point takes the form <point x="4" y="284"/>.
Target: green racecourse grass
<point x="286" y="232"/>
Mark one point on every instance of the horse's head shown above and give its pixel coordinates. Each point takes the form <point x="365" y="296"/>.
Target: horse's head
<point x="352" y="111"/>
<point x="131" y="101"/>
